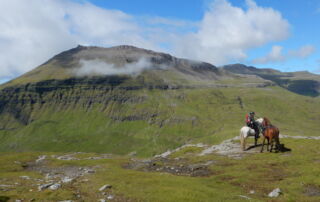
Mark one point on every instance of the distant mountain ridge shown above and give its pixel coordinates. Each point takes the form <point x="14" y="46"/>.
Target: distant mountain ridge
<point x="303" y="82"/>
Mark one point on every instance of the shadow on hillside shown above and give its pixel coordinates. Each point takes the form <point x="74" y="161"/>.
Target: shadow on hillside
<point x="253" y="146"/>
<point x="281" y="148"/>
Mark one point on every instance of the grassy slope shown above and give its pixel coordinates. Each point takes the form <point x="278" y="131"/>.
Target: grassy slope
<point x="41" y="73"/>
<point x="293" y="172"/>
<point x="183" y="116"/>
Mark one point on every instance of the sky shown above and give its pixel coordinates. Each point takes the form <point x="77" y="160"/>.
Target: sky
<point x="279" y="34"/>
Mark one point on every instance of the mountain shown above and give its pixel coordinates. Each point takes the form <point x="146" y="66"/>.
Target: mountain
<point x="70" y="64"/>
<point x="303" y="83"/>
<point x="125" y="99"/>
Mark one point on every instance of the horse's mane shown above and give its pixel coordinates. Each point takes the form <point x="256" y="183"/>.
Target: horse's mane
<point x="266" y="121"/>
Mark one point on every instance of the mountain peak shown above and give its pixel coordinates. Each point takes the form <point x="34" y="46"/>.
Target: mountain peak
<point x="128" y="60"/>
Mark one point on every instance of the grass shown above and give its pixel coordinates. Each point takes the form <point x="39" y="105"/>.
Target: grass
<point x="164" y="119"/>
<point x="292" y="172"/>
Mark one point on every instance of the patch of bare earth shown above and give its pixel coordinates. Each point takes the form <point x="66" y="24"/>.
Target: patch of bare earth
<point x="311" y="190"/>
<point x="173" y="166"/>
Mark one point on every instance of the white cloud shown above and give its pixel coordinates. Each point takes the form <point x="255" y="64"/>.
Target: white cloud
<point x="33" y="31"/>
<point x="276" y="54"/>
<point x="227" y="32"/>
<point x="98" y="67"/>
<point x="302" y="52"/>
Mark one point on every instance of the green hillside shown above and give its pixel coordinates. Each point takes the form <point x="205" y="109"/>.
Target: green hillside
<point x="149" y="121"/>
<point x="172" y="102"/>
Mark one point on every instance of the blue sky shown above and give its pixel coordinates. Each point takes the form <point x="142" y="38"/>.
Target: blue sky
<point x="279" y="34"/>
<point x="303" y="17"/>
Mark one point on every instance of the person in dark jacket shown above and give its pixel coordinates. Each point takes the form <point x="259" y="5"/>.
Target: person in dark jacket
<point x="250" y="121"/>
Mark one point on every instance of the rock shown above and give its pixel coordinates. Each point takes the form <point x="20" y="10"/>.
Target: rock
<point x="245" y="197"/>
<point x="102" y="200"/>
<point x="55" y="186"/>
<point x="252" y="192"/>
<point x="25" y="177"/>
<point x="134" y="153"/>
<point x="44" y="186"/>
<point x="67" y="157"/>
<point x="66" y="180"/>
<point x="18" y="200"/>
<point x="41" y="158"/>
<point x="110" y="197"/>
<point x="5" y="185"/>
<point x="275" y="193"/>
<point x="89" y="171"/>
<point x="106" y="186"/>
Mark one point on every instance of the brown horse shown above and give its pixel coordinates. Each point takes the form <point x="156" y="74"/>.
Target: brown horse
<point x="271" y="133"/>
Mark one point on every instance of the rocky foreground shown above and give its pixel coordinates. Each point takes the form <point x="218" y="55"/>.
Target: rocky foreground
<point x="104" y="177"/>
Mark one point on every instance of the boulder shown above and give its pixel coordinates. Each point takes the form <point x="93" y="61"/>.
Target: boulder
<point x="104" y="187"/>
<point x="275" y="193"/>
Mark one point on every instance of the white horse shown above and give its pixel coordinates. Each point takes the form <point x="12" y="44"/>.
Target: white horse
<point x="246" y="131"/>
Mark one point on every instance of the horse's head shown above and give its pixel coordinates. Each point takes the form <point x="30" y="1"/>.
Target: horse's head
<point x="266" y="122"/>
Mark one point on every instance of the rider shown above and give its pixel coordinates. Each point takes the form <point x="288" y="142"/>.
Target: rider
<point x="252" y="123"/>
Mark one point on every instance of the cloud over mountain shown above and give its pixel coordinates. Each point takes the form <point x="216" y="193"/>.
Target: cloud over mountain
<point x="98" y="67"/>
<point x="227" y="32"/>
<point x="276" y="54"/>
<point x="34" y="30"/>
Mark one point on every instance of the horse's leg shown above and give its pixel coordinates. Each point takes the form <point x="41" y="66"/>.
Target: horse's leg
<point x="255" y="141"/>
<point x="271" y="142"/>
<point x="277" y="144"/>
<point x="264" y="139"/>
<point x="268" y="144"/>
<point x="242" y="141"/>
